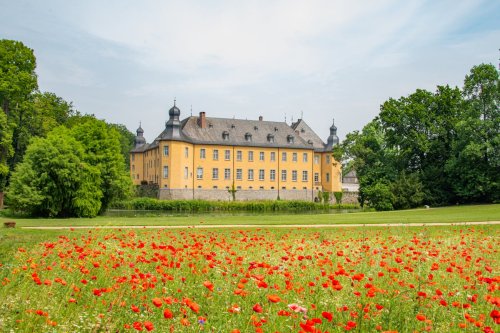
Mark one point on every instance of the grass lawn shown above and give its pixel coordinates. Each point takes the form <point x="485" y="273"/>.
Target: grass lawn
<point x="446" y="214"/>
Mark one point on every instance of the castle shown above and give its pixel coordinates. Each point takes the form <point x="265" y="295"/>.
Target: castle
<point x="221" y="159"/>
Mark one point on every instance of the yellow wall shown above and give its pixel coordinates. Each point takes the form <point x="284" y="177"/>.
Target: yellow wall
<point x="149" y="165"/>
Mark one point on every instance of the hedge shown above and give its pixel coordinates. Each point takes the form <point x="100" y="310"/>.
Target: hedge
<point x="209" y="206"/>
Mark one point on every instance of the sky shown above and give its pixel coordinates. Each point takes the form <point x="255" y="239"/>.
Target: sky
<point x="126" y="61"/>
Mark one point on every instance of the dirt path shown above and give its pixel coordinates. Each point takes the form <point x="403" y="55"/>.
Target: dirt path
<point x="224" y="226"/>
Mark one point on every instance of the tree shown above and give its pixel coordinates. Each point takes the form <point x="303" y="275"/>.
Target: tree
<point x="54" y="179"/>
<point x="102" y="147"/>
<point x="5" y="152"/>
<point x="126" y="142"/>
<point x="49" y="111"/>
<point x="475" y="161"/>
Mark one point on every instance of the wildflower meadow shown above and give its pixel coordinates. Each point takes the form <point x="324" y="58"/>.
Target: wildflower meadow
<point x="382" y="279"/>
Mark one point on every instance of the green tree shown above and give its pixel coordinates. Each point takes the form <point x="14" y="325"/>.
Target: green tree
<point x="475" y="161"/>
<point x="54" y="179"/>
<point x="102" y="147"/>
<point x="49" y="111"/>
<point x="5" y="152"/>
<point x="126" y="142"/>
<point x="407" y="191"/>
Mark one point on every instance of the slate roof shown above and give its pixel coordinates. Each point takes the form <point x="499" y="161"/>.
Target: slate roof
<point x="237" y="131"/>
<point x="308" y="135"/>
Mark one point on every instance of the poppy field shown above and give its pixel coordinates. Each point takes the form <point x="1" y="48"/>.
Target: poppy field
<point x="383" y="279"/>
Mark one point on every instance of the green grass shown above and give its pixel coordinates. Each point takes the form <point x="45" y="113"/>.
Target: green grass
<point x="446" y="214"/>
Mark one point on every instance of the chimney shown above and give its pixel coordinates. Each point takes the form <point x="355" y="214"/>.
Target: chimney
<point x="260" y="118"/>
<point x="202" y="121"/>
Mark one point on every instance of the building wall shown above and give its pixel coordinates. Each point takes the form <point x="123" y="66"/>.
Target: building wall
<point x="179" y="183"/>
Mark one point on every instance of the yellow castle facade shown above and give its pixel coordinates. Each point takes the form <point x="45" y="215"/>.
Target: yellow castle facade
<point x="201" y="157"/>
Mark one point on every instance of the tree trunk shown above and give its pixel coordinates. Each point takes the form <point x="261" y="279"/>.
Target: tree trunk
<point x="1" y="199"/>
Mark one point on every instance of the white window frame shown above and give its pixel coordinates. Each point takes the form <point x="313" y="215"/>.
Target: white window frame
<point x="215" y="173"/>
<point x="283" y="175"/>
<point x="239" y="174"/>
<point x="272" y="175"/>
<point x="250" y="156"/>
<point x="215" y="154"/>
<point x="305" y="176"/>
<point x="273" y="156"/>
<point x="294" y="157"/>
<point x="250" y="174"/>
<point x="166" y="150"/>
<point x="199" y="173"/>
<point x="227" y="155"/>
<point x="261" y="156"/>
<point x="262" y="174"/>
<point x="294" y="175"/>
<point x="227" y="174"/>
<point x="165" y="171"/>
<point x="203" y="153"/>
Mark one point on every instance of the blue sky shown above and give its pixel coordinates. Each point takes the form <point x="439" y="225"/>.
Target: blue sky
<point x="125" y="61"/>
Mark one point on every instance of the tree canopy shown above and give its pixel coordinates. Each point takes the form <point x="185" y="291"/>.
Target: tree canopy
<point x="434" y="148"/>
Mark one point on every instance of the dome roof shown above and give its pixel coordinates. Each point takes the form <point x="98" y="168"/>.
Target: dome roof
<point x="174" y="111"/>
<point x="140" y="130"/>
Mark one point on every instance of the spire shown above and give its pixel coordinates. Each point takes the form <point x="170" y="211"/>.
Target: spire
<point x="333" y="139"/>
<point x="172" y="126"/>
<point x="139" y="139"/>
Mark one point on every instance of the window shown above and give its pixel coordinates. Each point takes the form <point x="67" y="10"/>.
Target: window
<point x="133" y="157"/>
<point x="290" y="139"/>
<point x="165" y="150"/>
<point x="261" y="156"/>
<point x="225" y="135"/>
<point x="215" y="173"/>
<point x="261" y="174"/>
<point x="304" y="157"/>
<point x="327" y="177"/>
<point x="250" y="174"/>
<point x="186" y="152"/>
<point x="227" y="154"/>
<point x="272" y="175"/>
<point x="294" y="157"/>
<point x="239" y="155"/>
<point x="165" y="171"/>
<point x="186" y="172"/>
<point x="294" y="175"/>
<point x="248" y="137"/>
<point x="304" y="176"/>
<point x="283" y="157"/>
<point x="227" y="174"/>
<point x="327" y="159"/>
<point x="283" y="175"/>
<point x="216" y="154"/>
<point x="250" y="156"/>
<point x="273" y="156"/>
<point x="316" y="177"/>
<point x="199" y="173"/>
<point x="202" y="153"/>
<point x="239" y="174"/>
<point x="316" y="159"/>
<point x="270" y="138"/>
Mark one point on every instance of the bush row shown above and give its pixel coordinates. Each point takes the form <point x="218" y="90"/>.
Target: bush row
<point x="206" y="206"/>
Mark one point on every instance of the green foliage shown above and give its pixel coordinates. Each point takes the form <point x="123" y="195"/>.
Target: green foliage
<point x="326" y="197"/>
<point x="407" y="191"/>
<point x="55" y="180"/>
<point x="380" y="196"/>
<point x="102" y="148"/>
<point x="147" y="190"/>
<point x="436" y="148"/>
<point x="5" y="147"/>
<point x="126" y="139"/>
<point x="207" y="206"/>
<point x="338" y="196"/>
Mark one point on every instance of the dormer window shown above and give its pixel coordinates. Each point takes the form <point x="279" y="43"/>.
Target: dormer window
<point x="232" y="126"/>
<point x="302" y="130"/>
<point x="290" y="139"/>
<point x="310" y="142"/>
<point x="225" y="135"/>
<point x="270" y="138"/>
<point x="276" y="129"/>
<point x="210" y="125"/>
<point x="255" y="128"/>
<point x="248" y="137"/>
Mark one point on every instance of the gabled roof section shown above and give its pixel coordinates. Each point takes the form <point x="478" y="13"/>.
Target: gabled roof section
<point x="308" y="135"/>
<point x="242" y="132"/>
